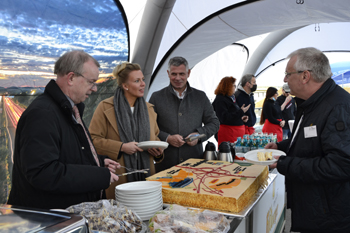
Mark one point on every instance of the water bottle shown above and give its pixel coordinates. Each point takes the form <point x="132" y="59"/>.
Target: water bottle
<point x="245" y="144"/>
<point x="274" y="138"/>
<point x="261" y="144"/>
<point x="238" y="145"/>
<point x="254" y="145"/>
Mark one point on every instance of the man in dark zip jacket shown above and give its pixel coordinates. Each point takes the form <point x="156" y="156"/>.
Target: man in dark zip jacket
<point x="317" y="165"/>
<point x="55" y="166"/>
<point x="244" y="97"/>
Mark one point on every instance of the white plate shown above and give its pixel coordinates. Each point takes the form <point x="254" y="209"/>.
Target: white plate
<point x="146" y="205"/>
<point x="153" y="144"/>
<point x="138" y="187"/>
<point x="141" y="197"/>
<point x="145" y="197"/>
<point x="147" y="211"/>
<point x="140" y="200"/>
<point x="139" y="193"/>
<point x="252" y="156"/>
<point x="146" y="217"/>
<point x="123" y="199"/>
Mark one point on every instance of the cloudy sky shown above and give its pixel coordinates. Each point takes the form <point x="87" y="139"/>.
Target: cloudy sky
<point x="34" y="33"/>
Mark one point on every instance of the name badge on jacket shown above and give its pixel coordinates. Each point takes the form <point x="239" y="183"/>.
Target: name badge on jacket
<point x="310" y="131"/>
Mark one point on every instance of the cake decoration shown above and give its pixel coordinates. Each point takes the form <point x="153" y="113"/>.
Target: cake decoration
<point x="211" y="184"/>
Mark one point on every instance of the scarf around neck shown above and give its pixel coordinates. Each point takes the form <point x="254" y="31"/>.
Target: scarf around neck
<point x="133" y="127"/>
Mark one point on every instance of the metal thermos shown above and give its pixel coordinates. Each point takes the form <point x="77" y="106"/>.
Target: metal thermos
<point x="210" y="152"/>
<point x="233" y="149"/>
<point x="225" y="152"/>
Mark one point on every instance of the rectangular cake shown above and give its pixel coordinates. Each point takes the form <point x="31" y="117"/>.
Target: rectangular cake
<point x="211" y="184"/>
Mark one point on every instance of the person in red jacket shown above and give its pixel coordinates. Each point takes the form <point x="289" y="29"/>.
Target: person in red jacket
<point x="231" y="116"/>
<point x="271" y="115"/>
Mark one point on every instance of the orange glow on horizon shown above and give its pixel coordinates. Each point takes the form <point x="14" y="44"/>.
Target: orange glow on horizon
<point x="13" y="111"/>
<point x="16" y="72"/>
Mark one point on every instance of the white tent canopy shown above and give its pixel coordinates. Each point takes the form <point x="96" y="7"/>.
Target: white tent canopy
<point x="201" y="30"/>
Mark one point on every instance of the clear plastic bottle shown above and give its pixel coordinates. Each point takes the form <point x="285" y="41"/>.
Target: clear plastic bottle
<point x="245" y="143"/>
<point x="238" y="145"/>
<point x="261" y="144"/>
<point x="274" y="138"/>
<point x="254" y="145"/>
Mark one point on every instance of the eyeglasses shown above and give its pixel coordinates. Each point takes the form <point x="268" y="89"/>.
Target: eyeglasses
<point x="296" y="72"/>
<point x="93" y="84"/>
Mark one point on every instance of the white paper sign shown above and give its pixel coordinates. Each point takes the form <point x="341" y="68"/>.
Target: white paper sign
<point x="310" y="131"/>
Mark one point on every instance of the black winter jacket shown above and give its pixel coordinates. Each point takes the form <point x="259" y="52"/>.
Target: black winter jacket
<point x="317" y="169"/>
<point x="53" y="163"/>
<point x="243" y="98"/>
<point x="272" y="112"/>
<point x="289" y="111"/>
<point x="228" y="112"/>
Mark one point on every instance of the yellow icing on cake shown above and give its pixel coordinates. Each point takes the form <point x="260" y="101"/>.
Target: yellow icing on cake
<point x="211" y="184"/>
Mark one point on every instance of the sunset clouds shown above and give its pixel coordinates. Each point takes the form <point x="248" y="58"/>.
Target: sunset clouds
<point x="33" y="34"/>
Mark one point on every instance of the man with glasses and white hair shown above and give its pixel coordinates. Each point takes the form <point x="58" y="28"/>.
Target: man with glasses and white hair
<point x="317" y="165"/>
<point x="55" y="163"/>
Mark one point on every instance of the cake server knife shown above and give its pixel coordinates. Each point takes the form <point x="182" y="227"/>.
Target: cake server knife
<point x="194" y="137"/>
<point x="128" y="173"/>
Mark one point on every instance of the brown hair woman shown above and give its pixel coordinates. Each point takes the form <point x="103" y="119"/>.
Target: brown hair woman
<point x="230" y="115"/>
<point x="271" y="115"/>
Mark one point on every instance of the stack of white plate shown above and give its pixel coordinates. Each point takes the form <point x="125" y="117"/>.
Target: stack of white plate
<point x="143" y="197"/>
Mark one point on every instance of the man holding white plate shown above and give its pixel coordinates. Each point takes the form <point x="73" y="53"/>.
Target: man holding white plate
<point x="182" y="111"/>
<point x="317" y="165"/>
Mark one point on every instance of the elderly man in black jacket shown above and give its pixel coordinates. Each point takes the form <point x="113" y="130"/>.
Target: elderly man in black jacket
<point x="317" y="165"/>
<point x="55" y="165"/>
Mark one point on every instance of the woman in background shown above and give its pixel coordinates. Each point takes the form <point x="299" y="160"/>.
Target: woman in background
<point x="271" y="115"/>
<point x="123" y="120"/>
<point x="230" y="115"/>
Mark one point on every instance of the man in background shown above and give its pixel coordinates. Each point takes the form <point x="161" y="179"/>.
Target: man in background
<point x="317" y="165"/>
<point x="288" y="108"/>
<point x="55" y="164"/>
<point x="182" y="111"/>
<point x="244" y="96"/>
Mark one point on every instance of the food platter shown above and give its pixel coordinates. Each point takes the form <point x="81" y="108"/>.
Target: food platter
<point x="153" y="144"/>
<point x="252" y="157"/>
